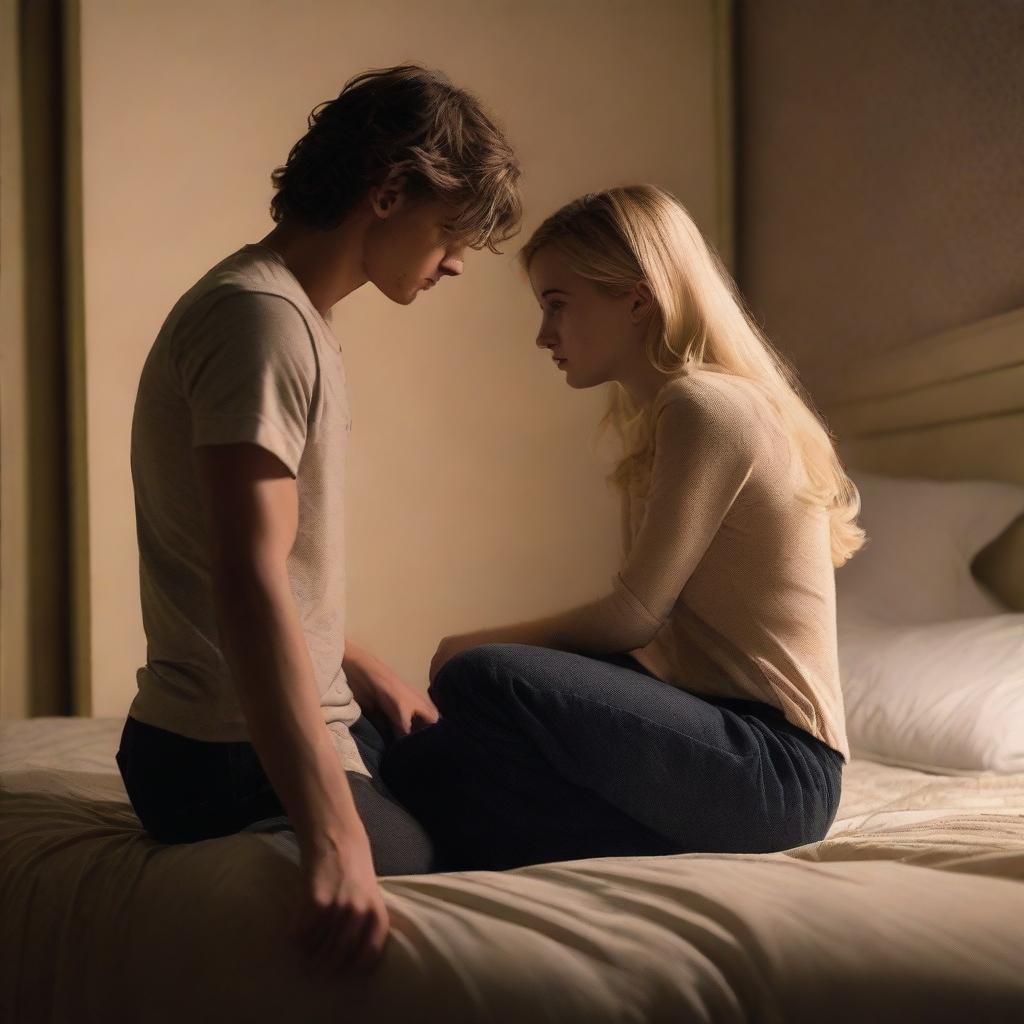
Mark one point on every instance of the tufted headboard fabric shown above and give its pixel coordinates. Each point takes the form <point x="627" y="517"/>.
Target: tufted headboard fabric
<point x="948" y="406"/>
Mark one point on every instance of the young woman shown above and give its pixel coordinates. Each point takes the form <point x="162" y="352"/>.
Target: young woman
<point x="696" y="705"/>
<point x="252" y="703"/>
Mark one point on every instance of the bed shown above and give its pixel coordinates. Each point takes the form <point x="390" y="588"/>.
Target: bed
<point x="911" y="908"/>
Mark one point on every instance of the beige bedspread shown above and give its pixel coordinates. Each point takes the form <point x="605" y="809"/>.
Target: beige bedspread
<point x="912" y="909"/>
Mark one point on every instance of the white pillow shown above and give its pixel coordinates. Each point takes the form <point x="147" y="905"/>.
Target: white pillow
<point x="945" y="696"/>
<point x="921" y="538"/>
<point x="931" y="663"/>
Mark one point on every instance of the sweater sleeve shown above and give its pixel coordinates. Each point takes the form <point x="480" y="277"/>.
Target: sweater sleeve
<point x="703" y="457"/>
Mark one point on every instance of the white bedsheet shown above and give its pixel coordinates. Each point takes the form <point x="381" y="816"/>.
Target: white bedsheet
<point x="911" y="909"/>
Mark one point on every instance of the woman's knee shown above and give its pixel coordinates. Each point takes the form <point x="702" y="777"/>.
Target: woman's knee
<point x="475" y="672"/>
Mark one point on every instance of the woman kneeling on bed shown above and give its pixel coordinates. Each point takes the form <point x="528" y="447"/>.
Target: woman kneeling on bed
<point x="695" y="707"/>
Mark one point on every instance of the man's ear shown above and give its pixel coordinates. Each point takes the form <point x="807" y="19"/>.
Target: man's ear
<point x="641" y="301"/>
<point x="388" y="196"/>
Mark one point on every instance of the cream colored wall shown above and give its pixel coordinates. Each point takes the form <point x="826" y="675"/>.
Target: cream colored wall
<point x="882" y="187"/>
<point x="474" y="496"/>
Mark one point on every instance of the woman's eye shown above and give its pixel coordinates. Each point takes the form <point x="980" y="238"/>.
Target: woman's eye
<point x="555" y="305"/>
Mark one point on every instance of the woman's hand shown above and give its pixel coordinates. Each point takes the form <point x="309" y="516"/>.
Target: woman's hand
<point x="341" y="921"/>
<point x="452" y="645"/>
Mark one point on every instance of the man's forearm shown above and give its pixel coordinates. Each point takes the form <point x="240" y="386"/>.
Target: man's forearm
<point x="357" y="664"/>
<point x="266" y="651"/>
<point x="353" y="655"/>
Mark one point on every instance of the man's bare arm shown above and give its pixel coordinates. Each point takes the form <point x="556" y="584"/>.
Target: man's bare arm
<point x="251" y="503"/>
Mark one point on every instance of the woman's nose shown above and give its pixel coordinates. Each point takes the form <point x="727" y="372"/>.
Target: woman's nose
<point x="545" y="339"/>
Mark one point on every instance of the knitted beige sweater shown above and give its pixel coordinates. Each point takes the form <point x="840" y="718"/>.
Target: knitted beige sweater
<point x="727" y="588"/>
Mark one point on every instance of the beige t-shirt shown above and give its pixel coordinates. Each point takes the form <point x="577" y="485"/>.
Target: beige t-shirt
<point x="242" y="356"/>
<point x="729" y="571"/>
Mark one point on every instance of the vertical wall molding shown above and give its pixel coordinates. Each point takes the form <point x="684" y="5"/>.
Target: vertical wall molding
<point x="725" y="130"/>
<point x="47" y="548"/>
<point x="80" y="654"/>
<point x="14" y="514"/>
<point x="42" y="469"/>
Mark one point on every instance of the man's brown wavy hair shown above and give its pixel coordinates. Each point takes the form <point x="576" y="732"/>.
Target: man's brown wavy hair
<point x="412" y="121"/>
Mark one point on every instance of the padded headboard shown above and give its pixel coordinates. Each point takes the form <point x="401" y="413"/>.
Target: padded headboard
<point x="949" y="406"/>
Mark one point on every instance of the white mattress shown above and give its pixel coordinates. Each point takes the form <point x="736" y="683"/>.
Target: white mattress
<point x="911" y="909"/>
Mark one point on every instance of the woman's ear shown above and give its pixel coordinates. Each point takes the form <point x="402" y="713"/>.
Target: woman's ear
<point x="641" y="302"/>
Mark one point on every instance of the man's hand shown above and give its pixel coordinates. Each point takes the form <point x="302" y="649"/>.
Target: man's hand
<point x="251" y="504"/>
<point x="379" y="689"/>
<point x="341" y="921"/>
<point x="407" y="709"/>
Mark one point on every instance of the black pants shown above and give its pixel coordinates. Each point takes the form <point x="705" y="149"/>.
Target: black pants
<point x="541" y="755"/>
<point x="185" y="790"/>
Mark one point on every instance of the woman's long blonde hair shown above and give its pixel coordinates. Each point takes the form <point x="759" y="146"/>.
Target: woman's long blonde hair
<point x="620" y="236"/>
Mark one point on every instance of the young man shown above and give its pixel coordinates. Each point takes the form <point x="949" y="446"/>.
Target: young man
<point x="251" y="702"/>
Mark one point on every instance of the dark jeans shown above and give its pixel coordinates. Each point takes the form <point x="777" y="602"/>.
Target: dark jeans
<point x="184" y="790"/>
<point x="541" y="755"/>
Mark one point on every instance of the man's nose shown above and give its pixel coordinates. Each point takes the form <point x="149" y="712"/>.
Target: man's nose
<point x="452" y="267"/>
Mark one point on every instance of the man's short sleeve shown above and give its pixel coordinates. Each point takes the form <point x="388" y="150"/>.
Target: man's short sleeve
<point x="248" y="372"/>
